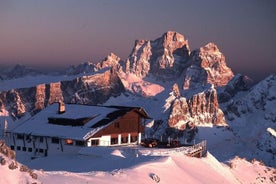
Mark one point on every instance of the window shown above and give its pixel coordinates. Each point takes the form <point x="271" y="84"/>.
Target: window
<point x="41" y="151"/>
<point x="95" y="142"/>
<point x="124" y="139"/>
<point x="55" y="140"/>
<point x="79" y="143"/>
<point x="40" y="139"/>
<point x="114" y="140"/>
<point x="30" y="149"/>
<point x="68" y="141"/>
<point x="20" y="136"/>
<point x="117" y="125"/>
<point x="12" y="147"/>
<point x="24" y="149"/>
<point x="18" y="148"/>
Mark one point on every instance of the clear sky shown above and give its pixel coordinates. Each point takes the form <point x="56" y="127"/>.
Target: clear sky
<point x="55" y="33"/>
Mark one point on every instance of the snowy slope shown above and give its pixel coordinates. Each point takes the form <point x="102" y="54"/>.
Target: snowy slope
<point x="12" y="171"/>
<point x="127" y="165"/>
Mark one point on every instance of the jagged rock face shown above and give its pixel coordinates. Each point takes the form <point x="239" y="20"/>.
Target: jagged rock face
<point x="139" y="60"/>
<point x="238" y="83"/>
<point x="89" y="67"/>
<point x="55" y="93"/>
<point x="40" y="96"/>
<point x="91" y="90"/>
<point x="261" y="97"/>
<point x="17" y="106"/>
<point x="110" y="61"/>
<point x="208" y="66"/>
<point x="202" y="108"/>
<point x="166" y="55"/>
<point x="94" y="89"/>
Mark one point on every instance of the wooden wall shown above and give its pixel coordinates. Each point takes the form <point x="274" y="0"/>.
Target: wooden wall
<point x="131" y="122"/>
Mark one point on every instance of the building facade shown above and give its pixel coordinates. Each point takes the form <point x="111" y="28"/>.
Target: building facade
<point x="67" y="128"/>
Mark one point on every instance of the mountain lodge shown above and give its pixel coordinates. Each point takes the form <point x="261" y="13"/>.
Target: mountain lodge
<point x="61" y="127"/>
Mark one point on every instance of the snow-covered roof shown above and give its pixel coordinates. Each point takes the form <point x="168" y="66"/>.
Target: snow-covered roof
<point x="99" y="117"/>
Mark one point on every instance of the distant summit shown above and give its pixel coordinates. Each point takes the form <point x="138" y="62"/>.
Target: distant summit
<point x="111" y="60"/>
<point x="19" y="71"/>
<point x="167" y="55"/>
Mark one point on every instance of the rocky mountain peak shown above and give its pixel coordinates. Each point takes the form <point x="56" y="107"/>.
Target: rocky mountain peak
<point x="172" y="40"/>
<point x="210" y="47"/>
<point x="110" y="61"/>
<point x="139" y="60"/>
<point x="208" y="66"/>
<point x="165" y="56"/>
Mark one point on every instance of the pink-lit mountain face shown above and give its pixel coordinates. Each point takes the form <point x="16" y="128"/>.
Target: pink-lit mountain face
<point x="178" y="87"/>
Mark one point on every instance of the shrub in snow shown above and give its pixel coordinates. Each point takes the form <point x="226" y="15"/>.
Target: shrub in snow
<point x="33" y="175"/>
<point x="116" y="172"/>
<point x="6" y="150"/>
<point x="155" y="177"/>
<point x="24" y="168"/>
<point x="3" y="161"/>
<point x="13" y="165"/>
<point x="232" y="165"/>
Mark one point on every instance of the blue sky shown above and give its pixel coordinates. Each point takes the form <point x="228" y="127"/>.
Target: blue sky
<point x="61" y="33"/>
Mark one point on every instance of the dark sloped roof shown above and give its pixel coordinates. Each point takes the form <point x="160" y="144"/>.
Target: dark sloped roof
<point x="69" y="121"/>
<point x="111" y="117"/>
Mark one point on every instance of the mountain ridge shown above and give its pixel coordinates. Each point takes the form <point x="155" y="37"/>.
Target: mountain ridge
<point x="185" y="86"/>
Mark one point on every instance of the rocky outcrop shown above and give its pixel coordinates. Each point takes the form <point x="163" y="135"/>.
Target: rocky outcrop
<point x="236" y="84"/>
<point x="261" y="98"/>
<point x="201" y="108"/>
<point x="90" y="67"/>
<point x="139" y="60"/>
<point x="167" y="56"/>
<point x="40" y="96"/>
<point x="207" y="66"/>
<point x="110" y="61"/>
<point x="17" y="108"/>
<point x="94" y="89"/>
<point x="7" y="159"/>
<point x="91" y="90"/>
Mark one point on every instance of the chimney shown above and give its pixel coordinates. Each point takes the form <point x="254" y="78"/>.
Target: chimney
<point x="61" y="108"/>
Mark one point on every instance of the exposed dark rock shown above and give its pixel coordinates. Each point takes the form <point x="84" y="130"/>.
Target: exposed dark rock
<point x="93" y="89"/>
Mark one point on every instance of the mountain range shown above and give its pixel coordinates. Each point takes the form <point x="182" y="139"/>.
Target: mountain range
<point x="178" y="87"/>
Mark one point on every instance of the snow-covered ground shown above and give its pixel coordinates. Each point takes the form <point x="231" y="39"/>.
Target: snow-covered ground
<point x="128" y="165"/>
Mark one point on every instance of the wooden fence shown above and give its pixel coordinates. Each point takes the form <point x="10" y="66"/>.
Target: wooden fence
<point x="197" y="150"/>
